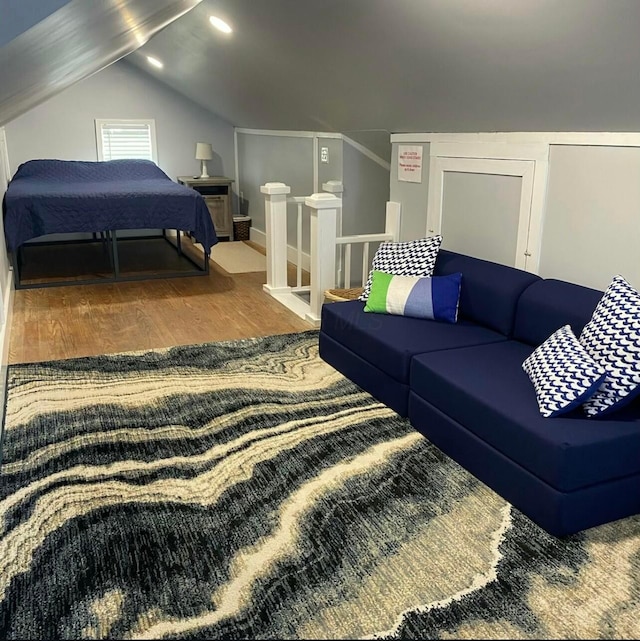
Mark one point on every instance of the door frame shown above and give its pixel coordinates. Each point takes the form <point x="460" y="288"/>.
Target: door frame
<point x="530" y="162"/>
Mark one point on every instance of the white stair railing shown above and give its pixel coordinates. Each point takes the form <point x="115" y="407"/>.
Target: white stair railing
<point x="391" y="234"/>
<point x="275" y="198"/>
<point x="299" y="202"/>
<point x="325" y="210"/>
<point x="324" y="214"/>
<point x="336" y="188"/>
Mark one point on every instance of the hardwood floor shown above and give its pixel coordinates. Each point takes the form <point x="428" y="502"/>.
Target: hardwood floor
<point x="86" y="320"/>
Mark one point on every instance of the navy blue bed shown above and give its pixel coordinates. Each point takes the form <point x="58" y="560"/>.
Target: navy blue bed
<point x="65" y="196"/>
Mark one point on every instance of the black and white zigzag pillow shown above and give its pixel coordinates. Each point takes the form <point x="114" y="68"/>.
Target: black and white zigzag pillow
<point x="411" y="258"/>
<point x="562" y="372"/>
<point x="612" y="338"/>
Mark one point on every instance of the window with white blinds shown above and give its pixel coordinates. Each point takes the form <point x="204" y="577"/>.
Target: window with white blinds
<point x="119" y="139"/>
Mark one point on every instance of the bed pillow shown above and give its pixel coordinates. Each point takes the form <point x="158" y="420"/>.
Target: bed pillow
<point x="434" y="298"/>
<point x="562" y="372"/>
<point x="411" y="258"/>
<point x="612" y="338"/>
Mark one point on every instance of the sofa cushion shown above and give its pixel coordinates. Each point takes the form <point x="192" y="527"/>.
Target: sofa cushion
<point x="612" y="337"/>
<point x="389" y="342"/>
<point x="485" y="389"/>
<point x="369" y="377"/>
<point x="562" y="373"/>
<point x="547" y="305"/>
<point x="489" y="291"/>
<point x="431" y="298"/>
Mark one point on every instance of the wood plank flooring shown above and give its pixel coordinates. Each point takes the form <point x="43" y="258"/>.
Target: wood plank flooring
<point x="86" y="320"/>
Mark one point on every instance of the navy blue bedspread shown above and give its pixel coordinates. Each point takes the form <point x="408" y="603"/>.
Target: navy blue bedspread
<point x="64" y="196"/>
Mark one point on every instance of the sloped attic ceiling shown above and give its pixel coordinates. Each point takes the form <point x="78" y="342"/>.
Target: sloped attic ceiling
<point x="16" y="16"/>
<point x="409" y="65"/>
<point x="69" y="44"/>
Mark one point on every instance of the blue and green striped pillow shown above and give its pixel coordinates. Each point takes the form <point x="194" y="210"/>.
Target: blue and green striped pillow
<point x="435" y="298"/>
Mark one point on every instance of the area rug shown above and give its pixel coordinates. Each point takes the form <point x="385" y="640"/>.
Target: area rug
<point x="237" y="257"/>
<point x="246" y="490"/>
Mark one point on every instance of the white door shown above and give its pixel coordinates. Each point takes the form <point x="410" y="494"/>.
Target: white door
<point x="487" y="204"/>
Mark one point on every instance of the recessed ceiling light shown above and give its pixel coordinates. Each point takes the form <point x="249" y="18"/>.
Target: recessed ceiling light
<point x="220" y="24"/>
<point x="155" y="62"/>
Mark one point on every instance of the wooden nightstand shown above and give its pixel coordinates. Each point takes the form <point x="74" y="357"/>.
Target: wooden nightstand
<point x="216" y="191"/>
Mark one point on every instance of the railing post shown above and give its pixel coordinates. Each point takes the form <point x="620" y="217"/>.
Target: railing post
<point x="392" y="221"/>
<point x="324" y="212"/>
<point x="337" y="188"/>
<point x="275" y="200"/>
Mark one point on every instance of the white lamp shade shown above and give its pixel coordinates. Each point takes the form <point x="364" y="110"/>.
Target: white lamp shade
<point x="204" y="151"/>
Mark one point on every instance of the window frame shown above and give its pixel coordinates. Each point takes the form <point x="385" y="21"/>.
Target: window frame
<point x="101" y="122"/>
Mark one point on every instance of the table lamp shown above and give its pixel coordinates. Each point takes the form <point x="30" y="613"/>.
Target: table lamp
<point x="204" y="152"/>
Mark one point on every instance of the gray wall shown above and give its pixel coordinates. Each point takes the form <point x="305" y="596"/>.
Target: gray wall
<point x="263" y="159"/>
<point x="289" y="159"/>
<point x="364" y="203"/>
<point x="412" y="196"/>
<point x="366" y="193"/>
<point x="64" y="127"/>
<point x="376" y="140"/>
<point x="333" y="169"/>
<point x="480" y="215"/>
<point x="592" y="224"/>
<point x="17" y="16"/>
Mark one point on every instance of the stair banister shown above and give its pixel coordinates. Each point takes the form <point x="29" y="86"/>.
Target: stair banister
<point x="276" y="231"/>
<point x="392" y="220"/>
<point x="336" y="187"/>
<point x="324" y="213"/>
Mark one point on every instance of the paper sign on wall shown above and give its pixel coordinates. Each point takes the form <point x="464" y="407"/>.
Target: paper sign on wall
<point x="410" y="163"/>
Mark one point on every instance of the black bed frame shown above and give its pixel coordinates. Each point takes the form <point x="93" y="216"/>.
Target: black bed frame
<point x="110" y="237"/>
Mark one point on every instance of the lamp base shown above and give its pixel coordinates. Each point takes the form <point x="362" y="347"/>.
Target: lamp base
<point x="204" y="172"/>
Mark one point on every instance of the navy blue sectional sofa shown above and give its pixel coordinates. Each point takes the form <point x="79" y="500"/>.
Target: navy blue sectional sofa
<point x="462" y="385"/>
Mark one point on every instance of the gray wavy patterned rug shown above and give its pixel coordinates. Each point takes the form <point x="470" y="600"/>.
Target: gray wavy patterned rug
<point x="247" y="490"/>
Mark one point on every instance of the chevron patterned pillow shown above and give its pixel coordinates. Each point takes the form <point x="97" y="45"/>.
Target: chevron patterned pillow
<point x="612" y="338"/>
<point x="562" y="373"/>
<point x="411" y="258"/>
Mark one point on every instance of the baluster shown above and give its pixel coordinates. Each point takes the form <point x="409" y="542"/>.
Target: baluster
<point x="365" y="263"/>
<point x="347" y="265"/>
<point x="324" y="208"/>
<point x="299" y="246"/>
<point x="276" y="229"/>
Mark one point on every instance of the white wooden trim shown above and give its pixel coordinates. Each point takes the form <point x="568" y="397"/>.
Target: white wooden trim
<point x="393" y="213"/>
<point x="5" y="335"/>
<point x="522" y="168"/>
<point x="5" y="155"/>
<point x="287" y="133"/>
<point x="367" y="152"/>
<point x="590" y="138"/>
<point x="498" y="150"/>
<point x="99" y="122"/>
<point x="316" y="170"/>
<point x="364" y="238"/>
<point x="536" y="221"/>
<point x="237" y="170"/>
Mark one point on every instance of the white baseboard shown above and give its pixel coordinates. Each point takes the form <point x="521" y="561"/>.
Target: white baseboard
<point x="5" y="335"/>
<point x="260" y="238"/>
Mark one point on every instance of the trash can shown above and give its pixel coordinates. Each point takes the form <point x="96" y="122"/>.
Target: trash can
<point x="241" y="226"/>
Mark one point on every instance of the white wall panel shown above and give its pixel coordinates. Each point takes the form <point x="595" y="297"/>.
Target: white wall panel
<point x="592" y="224"/>
<point x="481" y="214"/>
